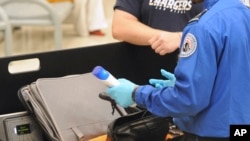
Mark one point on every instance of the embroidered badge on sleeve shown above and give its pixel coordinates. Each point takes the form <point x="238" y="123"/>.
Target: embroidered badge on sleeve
<point x="189" y="46"/>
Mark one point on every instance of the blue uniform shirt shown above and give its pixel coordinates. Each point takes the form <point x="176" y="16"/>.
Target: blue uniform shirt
<point x="212" y="89"/>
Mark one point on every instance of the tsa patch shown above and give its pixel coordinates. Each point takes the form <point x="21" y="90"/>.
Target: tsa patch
<point x="189" y="46"/>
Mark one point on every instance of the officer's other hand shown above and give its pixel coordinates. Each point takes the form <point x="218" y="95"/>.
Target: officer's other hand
<point x="159" y="83"/>
<point x="122" y="93"/>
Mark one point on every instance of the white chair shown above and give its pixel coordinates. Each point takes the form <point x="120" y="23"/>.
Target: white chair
<point x="35" y="13"/>
<point x="7" y="32"/>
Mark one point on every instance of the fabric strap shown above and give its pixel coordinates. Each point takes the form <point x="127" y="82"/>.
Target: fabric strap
<point x="78" y="133"/>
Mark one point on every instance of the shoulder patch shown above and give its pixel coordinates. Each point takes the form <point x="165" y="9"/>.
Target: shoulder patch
<point x="197" y="17"/>
<point x="189" y="45"/>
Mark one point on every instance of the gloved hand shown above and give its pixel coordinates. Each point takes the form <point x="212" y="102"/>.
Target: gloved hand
<point x="122" y="93"/>
<point x="159" y="83"/>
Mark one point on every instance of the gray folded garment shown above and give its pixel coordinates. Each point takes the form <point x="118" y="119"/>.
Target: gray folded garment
<point x="68" y="108"/>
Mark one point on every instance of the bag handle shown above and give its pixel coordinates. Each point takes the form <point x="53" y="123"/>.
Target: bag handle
<point x="105" y="96"/>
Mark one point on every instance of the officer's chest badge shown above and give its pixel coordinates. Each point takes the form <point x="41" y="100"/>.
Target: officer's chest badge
<point x="189" y="46"/>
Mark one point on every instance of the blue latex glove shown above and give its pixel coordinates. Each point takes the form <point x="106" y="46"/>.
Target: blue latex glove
<point x="159" y="83"/>
<point x="122" y="93"/>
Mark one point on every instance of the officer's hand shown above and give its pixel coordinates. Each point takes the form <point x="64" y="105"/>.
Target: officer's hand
<point x="159" y="83"/>
<point x="122" y="93"/>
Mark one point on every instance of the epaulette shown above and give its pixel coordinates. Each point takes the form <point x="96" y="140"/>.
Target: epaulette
<point x="197" y="17"/>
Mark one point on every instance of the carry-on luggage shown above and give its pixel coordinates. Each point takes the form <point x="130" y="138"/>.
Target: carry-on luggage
<point x="68" y="108"/>
<point x="138" y="124"/>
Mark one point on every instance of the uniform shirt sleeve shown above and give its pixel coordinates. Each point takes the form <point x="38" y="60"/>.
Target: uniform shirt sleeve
<point x="195" y="74"/>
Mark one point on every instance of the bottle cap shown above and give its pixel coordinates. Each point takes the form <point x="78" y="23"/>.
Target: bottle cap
<point x="100" y="73"/>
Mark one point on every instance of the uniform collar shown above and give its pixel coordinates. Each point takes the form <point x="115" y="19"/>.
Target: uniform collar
<point x="209" y="3"/>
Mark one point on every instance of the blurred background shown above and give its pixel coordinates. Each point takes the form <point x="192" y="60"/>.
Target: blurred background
<point x="30" y="26"/>
<point x="27" y="38"/>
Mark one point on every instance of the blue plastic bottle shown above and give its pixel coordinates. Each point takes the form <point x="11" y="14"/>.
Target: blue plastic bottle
<point x="105" y="76"/>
